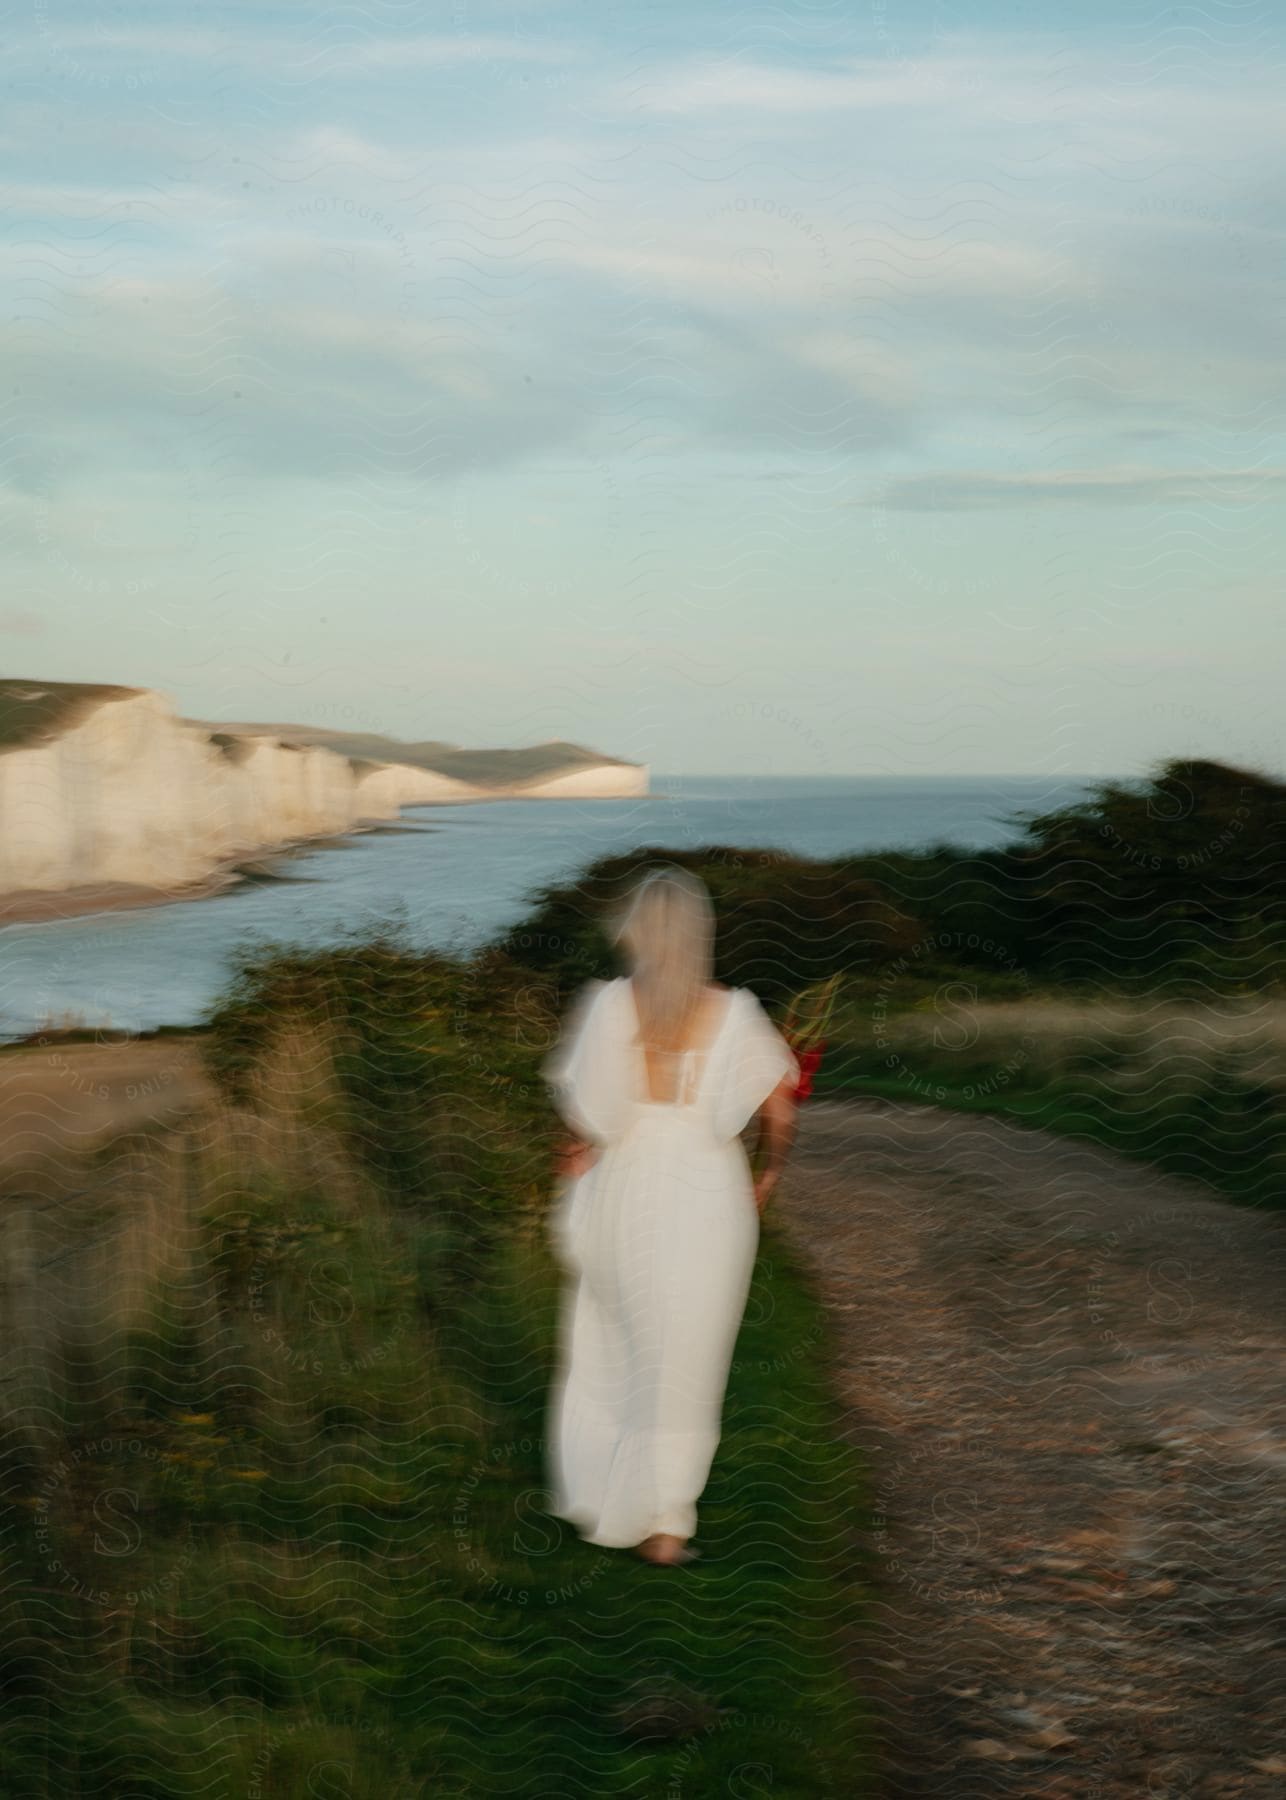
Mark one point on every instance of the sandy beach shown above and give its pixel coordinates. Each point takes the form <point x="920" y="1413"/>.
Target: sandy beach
<point x="39" y="906"/>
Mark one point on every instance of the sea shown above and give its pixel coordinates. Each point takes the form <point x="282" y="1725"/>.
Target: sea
<point x="453" y="876"/>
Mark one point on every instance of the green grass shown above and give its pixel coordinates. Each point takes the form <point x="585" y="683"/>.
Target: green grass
<point x="361" y="1579"/>
<point x="30" y="710"/>
<point x="280" y="1530"/>
<point x="1198" y="1091"/>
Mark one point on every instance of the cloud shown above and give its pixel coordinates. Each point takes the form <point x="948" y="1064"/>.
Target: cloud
<point x="408" y="287"/>
<point x="148" y="40"/>
<point x="262" y="47"/>
<point x="1081" y="95"/>
<point x="706" y="85"/>
<point x="15" y="623"/>
<point x="428" y="52"/>
<point x="975" y="490"/>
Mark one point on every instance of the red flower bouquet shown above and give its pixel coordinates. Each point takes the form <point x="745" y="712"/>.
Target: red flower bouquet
<point x="809" y="1062"/>
<point x="804" y="1029"/>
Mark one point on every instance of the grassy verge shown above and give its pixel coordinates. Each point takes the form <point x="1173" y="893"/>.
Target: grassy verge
<point x="1195" y="1089"/>
<point x="272" y="1432"/>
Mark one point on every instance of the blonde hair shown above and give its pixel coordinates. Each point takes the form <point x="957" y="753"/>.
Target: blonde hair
<point x="666" y="929"/>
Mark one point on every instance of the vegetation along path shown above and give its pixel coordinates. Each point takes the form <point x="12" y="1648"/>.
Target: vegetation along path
<point x="1067" y="1371"/>
<point x="1067" y="1374"/>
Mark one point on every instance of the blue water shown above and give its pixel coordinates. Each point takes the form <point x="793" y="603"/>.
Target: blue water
<point x="457" y="874"/>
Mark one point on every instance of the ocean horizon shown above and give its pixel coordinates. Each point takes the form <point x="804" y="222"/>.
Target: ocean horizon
<point x="454" y="876"/>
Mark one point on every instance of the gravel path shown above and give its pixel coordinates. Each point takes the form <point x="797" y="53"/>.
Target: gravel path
<point x="58" y="1101"/>
<point x="1068" y="1374"/>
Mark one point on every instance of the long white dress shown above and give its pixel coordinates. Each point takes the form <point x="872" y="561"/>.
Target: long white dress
<point x="658" y="1239"/>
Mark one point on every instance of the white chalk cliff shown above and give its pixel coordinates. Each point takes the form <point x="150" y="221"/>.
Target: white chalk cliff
<point x="108" y="784"/>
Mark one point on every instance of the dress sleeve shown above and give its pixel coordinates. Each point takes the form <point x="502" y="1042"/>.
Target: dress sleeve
<point x="581" y="1073"/>
<point x="759" y="1059"/>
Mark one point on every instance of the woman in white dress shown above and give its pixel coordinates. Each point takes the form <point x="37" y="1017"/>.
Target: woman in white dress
<point x="657" y="1222"/>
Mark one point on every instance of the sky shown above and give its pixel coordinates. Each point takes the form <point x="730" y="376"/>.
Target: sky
<point x="806" y="388"/>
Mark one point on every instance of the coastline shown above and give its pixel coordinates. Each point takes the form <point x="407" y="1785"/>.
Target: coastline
<point x="111" y="800"/>
<point x="45" y="906"/>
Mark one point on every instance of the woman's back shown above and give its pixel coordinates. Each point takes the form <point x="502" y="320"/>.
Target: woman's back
<point x="605" y="1084"/>
<point x="670" y="1074"/>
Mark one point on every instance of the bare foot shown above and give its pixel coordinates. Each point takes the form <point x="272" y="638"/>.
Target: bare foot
<point x="663" y="1548"/>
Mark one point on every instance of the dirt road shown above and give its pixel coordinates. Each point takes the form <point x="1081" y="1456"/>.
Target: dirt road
<point x="1068" y="1373"/>
<point x="59" y="1100"/>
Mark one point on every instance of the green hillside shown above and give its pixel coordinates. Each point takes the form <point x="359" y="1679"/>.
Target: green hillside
<point x="487" y="767"/>
<point x="31" y="710"/>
